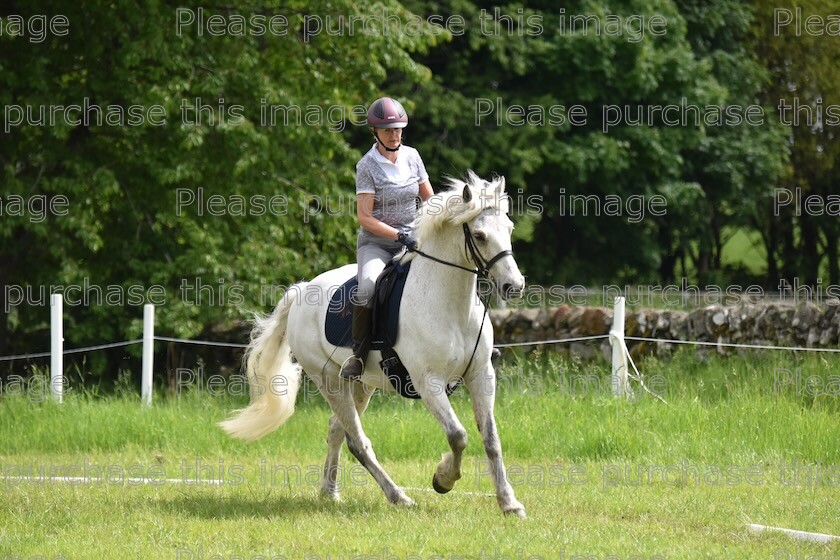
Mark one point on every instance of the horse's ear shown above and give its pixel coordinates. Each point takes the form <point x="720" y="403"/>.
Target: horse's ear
<point x="467" y="196"/>
<point x="500" y="187"/>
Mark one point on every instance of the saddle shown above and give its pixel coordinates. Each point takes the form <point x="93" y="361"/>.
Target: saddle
<point x="386" y="312"/>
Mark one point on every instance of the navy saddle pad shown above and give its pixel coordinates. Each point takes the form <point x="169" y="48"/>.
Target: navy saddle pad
<point x="386" y="314"/>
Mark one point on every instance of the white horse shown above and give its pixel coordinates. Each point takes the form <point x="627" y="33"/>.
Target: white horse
<point x="444" y="335"/>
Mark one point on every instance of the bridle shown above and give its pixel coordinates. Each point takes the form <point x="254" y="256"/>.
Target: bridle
<point x="483" y="266"/>
<point x="482" y="270"/>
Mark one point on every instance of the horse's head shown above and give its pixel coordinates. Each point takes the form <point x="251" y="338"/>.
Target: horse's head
<point x="479" y="209"/>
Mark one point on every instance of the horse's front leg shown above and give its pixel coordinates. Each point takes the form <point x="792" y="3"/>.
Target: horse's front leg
<point x="448" y="471"/>
<point x="482" y="388"/>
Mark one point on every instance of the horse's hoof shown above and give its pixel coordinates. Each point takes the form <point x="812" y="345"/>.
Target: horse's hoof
<point x="331" y="496"/>
<point x="438" y="488"/>
<point x="404" y="501"/>
<point x="517" y="512"/>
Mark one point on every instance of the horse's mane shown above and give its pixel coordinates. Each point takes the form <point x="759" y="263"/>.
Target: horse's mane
<point x="447" y="208"/>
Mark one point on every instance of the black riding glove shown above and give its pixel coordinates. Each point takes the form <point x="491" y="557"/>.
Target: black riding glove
<point x="408" y="240"/>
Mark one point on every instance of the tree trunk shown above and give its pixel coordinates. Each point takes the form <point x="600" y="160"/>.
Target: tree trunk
<point x="809" y="267"/>
<point x="703" y="258"/>
<point x="668" y="256"/>
<point x="4" y="316"/>
<point x="717" y="245"/>
<point x="20" y="241"/>
<point x="831" y="255"/>
<point x="789" y="257"/>
<point x="769" y="236"/>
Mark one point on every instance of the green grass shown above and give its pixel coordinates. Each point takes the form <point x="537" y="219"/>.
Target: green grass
<point x="590" y="470"/>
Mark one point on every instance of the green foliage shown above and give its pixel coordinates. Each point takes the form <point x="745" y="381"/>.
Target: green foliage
<point x="134" y="219"/>
<point x="704" y="59"/>
<point x="802" y="75"/>
<point x="125" y="226"/>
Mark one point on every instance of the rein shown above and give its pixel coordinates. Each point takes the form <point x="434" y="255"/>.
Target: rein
<point x="482" y="271"/>
<point x="447" y="263"/>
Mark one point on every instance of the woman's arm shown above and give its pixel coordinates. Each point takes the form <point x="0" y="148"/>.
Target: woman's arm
<point x="364" y="211"/>
<point x="426" y="190"/>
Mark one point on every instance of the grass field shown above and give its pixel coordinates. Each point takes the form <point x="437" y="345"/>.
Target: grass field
<point x="742" y="439"/>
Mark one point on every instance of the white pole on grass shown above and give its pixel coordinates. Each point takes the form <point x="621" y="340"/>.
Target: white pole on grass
<point x="796" y="534"/>
<point x="148" y="353"/>
<point x="619" y="358"/>
<point x="57" y="347"/>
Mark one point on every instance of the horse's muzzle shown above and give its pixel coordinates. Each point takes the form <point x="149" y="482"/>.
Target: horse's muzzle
<point x="513" y="291"/>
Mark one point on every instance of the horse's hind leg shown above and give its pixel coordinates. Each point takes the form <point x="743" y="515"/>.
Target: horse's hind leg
<point x="361" y="398"/>
<point x="344" y="406"/>
<point x="329" y="486"/>
<point x="448" y="471"/>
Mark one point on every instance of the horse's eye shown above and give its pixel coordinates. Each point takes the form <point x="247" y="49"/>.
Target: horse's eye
<point x="480" y="237"/>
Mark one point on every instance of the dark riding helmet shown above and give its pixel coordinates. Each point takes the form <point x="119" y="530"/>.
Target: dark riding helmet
<point x="387" y="112"/>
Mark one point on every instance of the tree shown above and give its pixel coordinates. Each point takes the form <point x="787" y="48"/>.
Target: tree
<point x="804" y="83"/>
<point x="136" y="217"/>
<point x="505" y="67"/>
<point x="734" y="167"/>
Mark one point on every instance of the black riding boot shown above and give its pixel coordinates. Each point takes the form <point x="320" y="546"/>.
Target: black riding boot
<point x="355" y="364"/>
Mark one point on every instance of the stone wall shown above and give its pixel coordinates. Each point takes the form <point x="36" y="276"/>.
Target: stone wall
<point x="772" y="323"/>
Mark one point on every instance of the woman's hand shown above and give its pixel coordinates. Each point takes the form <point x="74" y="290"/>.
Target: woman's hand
<point x="408" y="240"/>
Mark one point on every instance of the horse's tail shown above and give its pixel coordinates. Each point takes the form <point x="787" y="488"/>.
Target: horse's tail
<point x="273" y="377"/>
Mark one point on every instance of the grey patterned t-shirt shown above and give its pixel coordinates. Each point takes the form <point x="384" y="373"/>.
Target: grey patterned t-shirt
<point x="395" y="187"/>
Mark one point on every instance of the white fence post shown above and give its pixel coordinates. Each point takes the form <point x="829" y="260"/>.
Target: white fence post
<point x="57" y="347"/>
<point x="619" y="358"/>
<point x="148" y="353"/>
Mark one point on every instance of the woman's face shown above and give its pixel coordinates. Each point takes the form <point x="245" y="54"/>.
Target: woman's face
<point x="391" y="137"/>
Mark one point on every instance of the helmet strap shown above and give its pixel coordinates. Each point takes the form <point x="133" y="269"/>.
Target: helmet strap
<point x="387" y="149"/>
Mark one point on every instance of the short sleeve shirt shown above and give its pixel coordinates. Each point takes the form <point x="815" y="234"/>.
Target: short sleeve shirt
<point x="395" y="187"/>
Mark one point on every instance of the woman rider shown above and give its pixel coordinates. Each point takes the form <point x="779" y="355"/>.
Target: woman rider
<point x="389" y="178"/>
